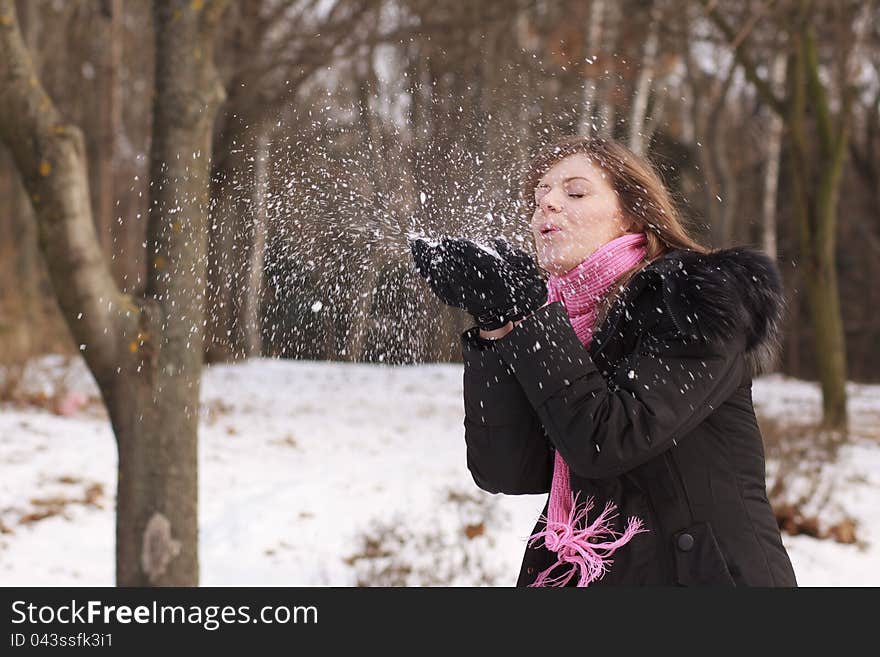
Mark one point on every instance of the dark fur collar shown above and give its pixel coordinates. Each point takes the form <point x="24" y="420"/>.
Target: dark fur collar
<point x="726" y="294"/>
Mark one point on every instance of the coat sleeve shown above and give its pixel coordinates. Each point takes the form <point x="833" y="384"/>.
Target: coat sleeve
<point x="602" y="428"/>
<point x="507" y="449"/>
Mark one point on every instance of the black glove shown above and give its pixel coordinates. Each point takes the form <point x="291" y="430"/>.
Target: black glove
<point x="493" y="287"/>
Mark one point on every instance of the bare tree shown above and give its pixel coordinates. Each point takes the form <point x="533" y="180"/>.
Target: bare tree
<point x="816" y="159"/>
<point x="144" y="352"/>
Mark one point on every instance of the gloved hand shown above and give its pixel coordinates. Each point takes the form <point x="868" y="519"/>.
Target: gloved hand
<point x="495" y="286"/>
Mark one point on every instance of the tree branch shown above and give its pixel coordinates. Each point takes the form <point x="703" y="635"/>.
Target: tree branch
<point x="738" y="43"/>
<point x="51" y="158"/>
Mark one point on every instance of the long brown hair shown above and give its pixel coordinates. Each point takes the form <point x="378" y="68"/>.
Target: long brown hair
<point x="644" y="199"/>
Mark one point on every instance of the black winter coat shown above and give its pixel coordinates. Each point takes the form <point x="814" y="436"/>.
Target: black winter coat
<point x="656" y="416"/>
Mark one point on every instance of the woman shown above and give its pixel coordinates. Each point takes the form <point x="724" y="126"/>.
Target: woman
<point x="622" y="385"/>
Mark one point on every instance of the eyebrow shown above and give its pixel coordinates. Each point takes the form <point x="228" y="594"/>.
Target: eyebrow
<point x="570" y="179"/>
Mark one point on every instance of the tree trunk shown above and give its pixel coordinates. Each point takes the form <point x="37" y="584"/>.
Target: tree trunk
<point x="637" y="142"/>
<point x="587" y="123"/>
<point x="771" y="172"/>
<point x="21" y="309"/>
<point x="816" y="175"/>
<point x="728" y="201"/>
<point x="110" y="112"/>
<point x="820" y="276"/>
<point x="608" y="83"/>
<point x="706" y="116"/>
<point x="250" y="319"/>
<point x="145" y="354"/>
<point x="830" y="347"/>
<point x="157" y="532"/>
<point x="231" y="235"/>
<point x="361" y="320"/>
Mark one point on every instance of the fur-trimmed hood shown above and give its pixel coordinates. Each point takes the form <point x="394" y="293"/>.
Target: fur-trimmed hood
<point x="724" y="294"/>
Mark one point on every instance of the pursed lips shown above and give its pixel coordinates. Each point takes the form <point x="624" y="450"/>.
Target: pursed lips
<point x="549" y="228"/>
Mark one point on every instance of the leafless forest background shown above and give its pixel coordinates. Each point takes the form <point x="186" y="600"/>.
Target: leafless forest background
<point x="445" y="98"/>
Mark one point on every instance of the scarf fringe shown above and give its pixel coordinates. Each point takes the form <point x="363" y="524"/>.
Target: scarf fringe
<point x="583" y="552"/>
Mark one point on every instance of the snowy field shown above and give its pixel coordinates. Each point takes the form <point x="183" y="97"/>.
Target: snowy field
<point x="315" y="474"/>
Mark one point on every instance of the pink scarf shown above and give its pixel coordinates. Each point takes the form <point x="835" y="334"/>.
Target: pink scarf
<point x="585" y="551"/>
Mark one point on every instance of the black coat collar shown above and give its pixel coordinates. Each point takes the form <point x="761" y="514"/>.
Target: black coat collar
<point x="717" y="297"/>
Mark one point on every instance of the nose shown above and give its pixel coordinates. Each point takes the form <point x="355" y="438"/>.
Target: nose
<point x="549" y="204"/>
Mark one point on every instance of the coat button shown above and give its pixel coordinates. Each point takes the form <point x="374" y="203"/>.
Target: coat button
<point x="685" y="542"/>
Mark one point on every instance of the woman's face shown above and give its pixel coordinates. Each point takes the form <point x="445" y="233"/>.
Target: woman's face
<point x="577" y="212"/>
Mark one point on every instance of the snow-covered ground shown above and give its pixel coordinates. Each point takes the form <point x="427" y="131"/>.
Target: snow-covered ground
<point x="316" y="474"/>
